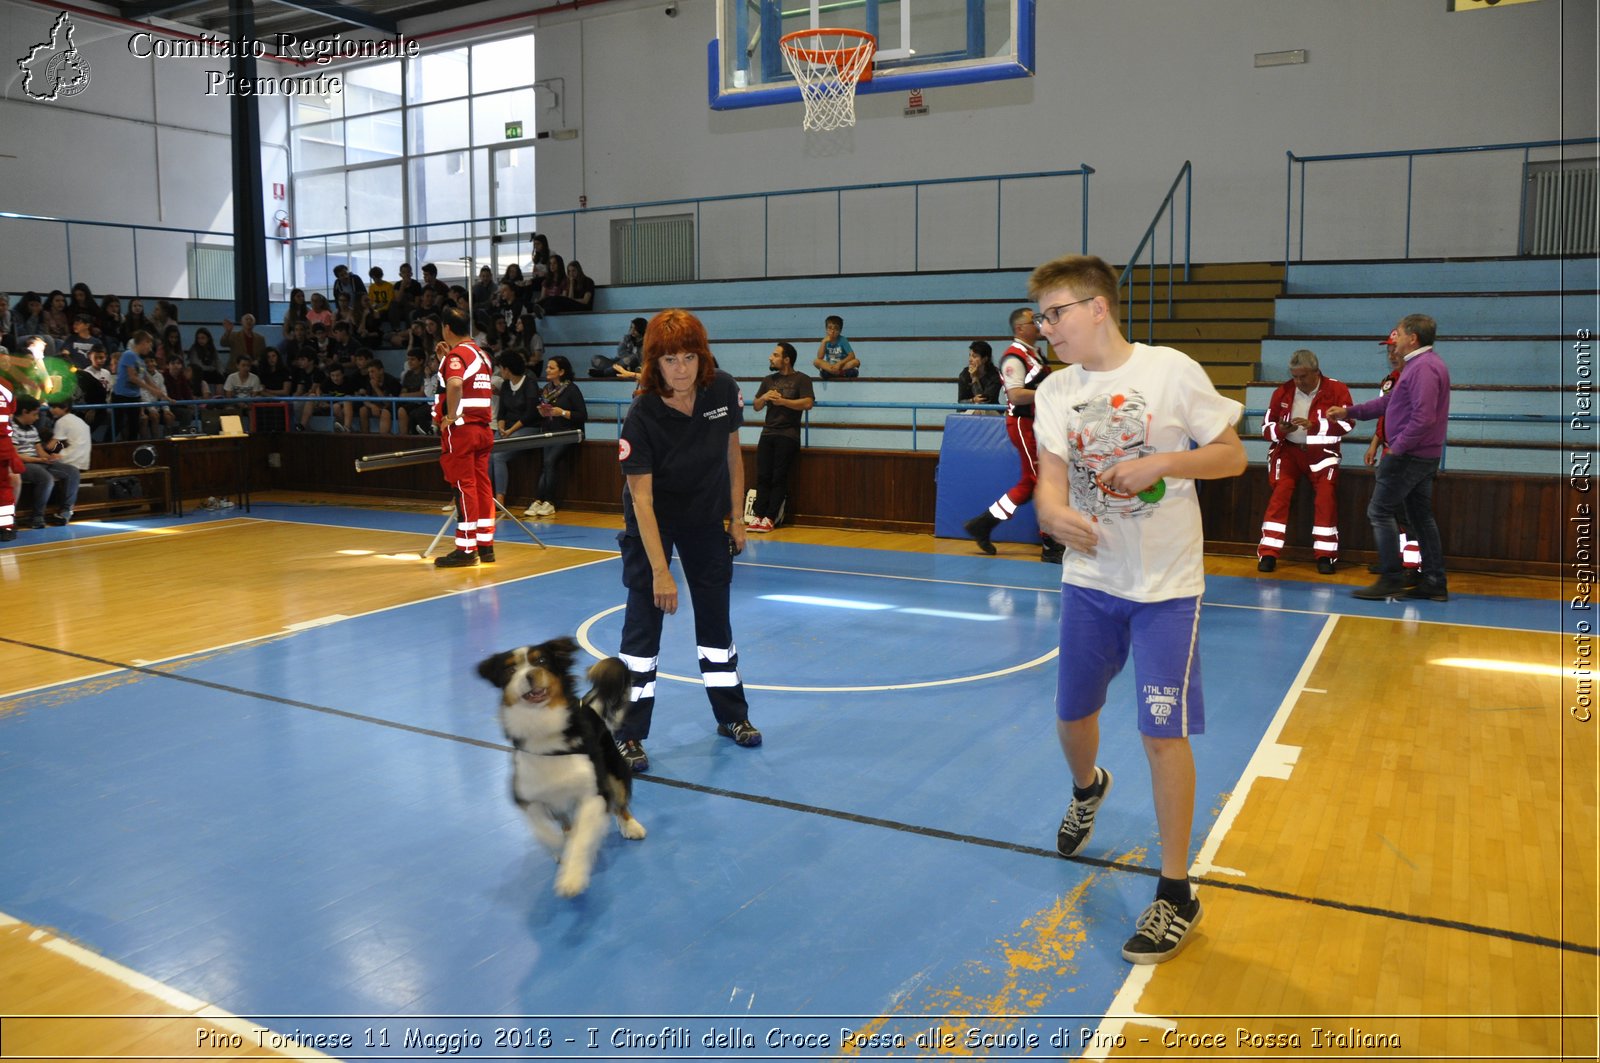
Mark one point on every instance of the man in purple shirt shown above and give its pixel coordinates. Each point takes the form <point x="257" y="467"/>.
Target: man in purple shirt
<point x="1415" y="413"/>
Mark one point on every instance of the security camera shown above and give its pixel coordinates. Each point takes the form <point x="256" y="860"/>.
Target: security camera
<point x="672" y="10"/>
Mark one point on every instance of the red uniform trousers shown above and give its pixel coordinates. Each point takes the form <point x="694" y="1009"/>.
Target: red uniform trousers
<point x="464" y="460"/>
<point x="1285" y="468"/>
<point x="10" y="463"/>
<point x="1020" y="431"/>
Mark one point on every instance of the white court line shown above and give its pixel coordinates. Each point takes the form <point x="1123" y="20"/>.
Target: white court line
<point x="126" y="537"/>
<point x="583" y="640"/>
<point x="290" y="630"/>
<point x="139" y="983"/>
<point x="1271" y="760"/>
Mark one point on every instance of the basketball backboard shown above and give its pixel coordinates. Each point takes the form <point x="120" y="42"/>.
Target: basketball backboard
<point x="922" y="44"/>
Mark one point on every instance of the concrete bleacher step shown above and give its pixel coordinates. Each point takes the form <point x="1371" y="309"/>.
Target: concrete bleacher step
<point x="1418" y="275"/>
<point x="1249" y="272"/>
<point x="1472" y="359"/>
<point x="1501" y="313"/>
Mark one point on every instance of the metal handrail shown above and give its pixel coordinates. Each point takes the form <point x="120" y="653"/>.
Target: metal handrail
<point x="133" y="232"/>
<point x="1410" y="155"/>
<point x="1185" y="175"/>
<point x="473" y="229"/>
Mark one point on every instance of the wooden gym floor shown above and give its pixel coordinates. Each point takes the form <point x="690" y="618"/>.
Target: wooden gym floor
<point x="252" y="795"/>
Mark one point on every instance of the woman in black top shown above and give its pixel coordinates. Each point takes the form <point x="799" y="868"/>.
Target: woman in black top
<point x="980" y="380"/>
<point x="516" y="414"/>
<point x="561" y="408"/>
<point x="684" y="475"/>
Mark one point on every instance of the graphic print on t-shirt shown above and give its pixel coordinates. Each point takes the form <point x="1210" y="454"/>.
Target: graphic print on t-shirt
<point x="1106" y="430"/>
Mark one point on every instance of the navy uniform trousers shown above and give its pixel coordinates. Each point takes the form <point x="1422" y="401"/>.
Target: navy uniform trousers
<point x="706" y="560"/>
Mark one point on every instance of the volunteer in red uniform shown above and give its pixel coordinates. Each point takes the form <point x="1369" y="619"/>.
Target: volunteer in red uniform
<point x="10" y="463"/>
<point x="461" y="409"/>
<point x="1305" y="444"/>
<point x="1022" y="370"/>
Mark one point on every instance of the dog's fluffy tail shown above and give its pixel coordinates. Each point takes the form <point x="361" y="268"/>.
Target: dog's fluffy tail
<point x="608" y="695"/>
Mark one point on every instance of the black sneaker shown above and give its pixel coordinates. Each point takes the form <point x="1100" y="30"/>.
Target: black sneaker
<point x="7" y="534"/>
<point x="60" y="520"/>
<point x="1433" y="592"/>
<point x="979" y="528"/>
<point x="456" y="559"/>
<point x="34" y="523"/>
<point x="742" y="732"/>
<point x="633" y="755"/>
<point x="1387" y="587"/>
<point x="486" y="555"/>
<point x="1325" y="565"/>
<point x="1266" y="564"/>
<point x="1078" y="824"/>
<point x="1161" y="931"/>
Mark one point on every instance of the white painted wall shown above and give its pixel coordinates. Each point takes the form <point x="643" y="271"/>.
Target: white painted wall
<point x="1132" y="87"/>
<point x="143" y="144"/>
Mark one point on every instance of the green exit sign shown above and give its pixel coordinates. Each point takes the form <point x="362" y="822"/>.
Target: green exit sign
<point x="513" y="130"/>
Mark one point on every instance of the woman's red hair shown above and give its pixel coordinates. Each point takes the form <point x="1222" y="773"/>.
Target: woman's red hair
<point x="674" y="332"/>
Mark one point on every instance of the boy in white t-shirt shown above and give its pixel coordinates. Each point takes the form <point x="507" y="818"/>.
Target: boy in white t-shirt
<point x="1123" y="433"/>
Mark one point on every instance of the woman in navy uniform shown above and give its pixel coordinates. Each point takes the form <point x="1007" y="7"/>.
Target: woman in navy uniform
<point x="684" y="476"/>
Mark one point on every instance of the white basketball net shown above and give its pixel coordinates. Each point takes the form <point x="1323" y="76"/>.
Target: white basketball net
<point x="827" y="66"/>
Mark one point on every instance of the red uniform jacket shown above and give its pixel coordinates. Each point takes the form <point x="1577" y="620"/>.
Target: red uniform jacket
<point x="1323" y="436"/>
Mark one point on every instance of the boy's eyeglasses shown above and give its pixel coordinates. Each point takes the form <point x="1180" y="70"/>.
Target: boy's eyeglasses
<point x="1053" y="314"/>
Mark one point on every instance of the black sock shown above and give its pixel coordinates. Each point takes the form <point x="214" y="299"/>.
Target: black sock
<point x="1173" y="890"/>
<point x="1084" y="793"/>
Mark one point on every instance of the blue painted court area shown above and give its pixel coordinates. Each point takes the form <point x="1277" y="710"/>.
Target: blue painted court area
<point x="318" y="823"/>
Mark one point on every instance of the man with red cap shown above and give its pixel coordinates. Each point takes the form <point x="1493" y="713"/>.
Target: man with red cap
<point x="1305" y="445"/>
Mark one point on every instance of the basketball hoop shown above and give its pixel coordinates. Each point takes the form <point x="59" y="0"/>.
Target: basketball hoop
<point x="828" y="63"/>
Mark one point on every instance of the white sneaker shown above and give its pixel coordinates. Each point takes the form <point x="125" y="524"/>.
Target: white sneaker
<point x="533" y="509"/>
<point x="546" y="509"/>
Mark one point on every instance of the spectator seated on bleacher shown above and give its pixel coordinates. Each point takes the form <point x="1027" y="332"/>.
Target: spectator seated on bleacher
<point x="295" y="313"/>
<point x="979" y="382"/>
<point x="178" y="382"/>
<point x="111" y="320"/>
<point x="76" y="349"/>
<point x="81" y="301"/>
<point x="320" y="313"/>
<point x="625" y="363"/>
<point x="205" y="357"/>
<point x="56" y="321"/>
<point x="243" y="341"/>
<point x="836" y="359"/>
<point x="348" y="285"/>
<point x="378" y="385"/>
<point x="412" y="414"/>
<point x="135" y="321"/>
<point x="8" y="325"/>
<point x="42" y="470"/>
<point x="94" y="389"/>
<point x="579" y="294"/>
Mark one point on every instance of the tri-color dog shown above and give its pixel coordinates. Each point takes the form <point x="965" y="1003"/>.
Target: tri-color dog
<point x="566" y="773"/>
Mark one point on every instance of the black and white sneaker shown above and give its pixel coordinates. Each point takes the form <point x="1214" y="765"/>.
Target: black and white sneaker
<point x="1162" y="931"/>
<point x="1078" y="824"/>
<point x="743" y="733"/>
<point x="633" y="755"/>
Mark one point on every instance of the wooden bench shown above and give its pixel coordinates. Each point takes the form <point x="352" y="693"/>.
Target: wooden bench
<point x="94" y="492"/>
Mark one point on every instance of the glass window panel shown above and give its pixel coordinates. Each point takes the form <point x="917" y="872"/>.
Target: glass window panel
<point x="318" y="108"/>
<point x="438" y="76"/>
<point x="438" y="127"/>
<point x="372" y="88"/>
<point x="373" y="138"/>
<point x="317" y="147"/>
<point x="375" y="197"/>
<point x="441" y="188"/>
<point x="491" y="113"/>
<point x="319" y="204"/>
<point x="502" y="64"/>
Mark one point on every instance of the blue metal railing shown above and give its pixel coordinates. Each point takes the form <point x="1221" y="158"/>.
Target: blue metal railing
<point x="1147" y="244"/>
<point x="1410" y="155"/>
<point x="470" y="235"/>
<point x="473" y="231"/>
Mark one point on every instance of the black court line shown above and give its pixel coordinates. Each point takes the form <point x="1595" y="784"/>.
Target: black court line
<point x="853" y="817"/>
